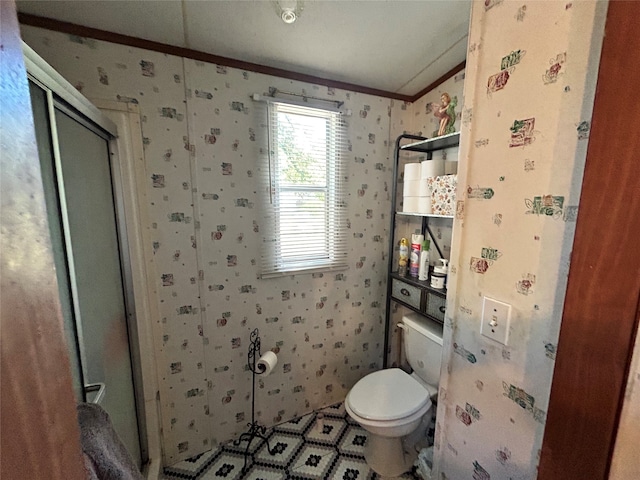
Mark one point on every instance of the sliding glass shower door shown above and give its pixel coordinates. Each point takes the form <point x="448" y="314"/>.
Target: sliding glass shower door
<point x="75" y="159"/>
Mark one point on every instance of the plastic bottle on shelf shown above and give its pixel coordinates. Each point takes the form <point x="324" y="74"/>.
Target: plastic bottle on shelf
<point x="423" y="271"/>
<point x="416" y="247"/>
<point x="403" y="257"/>
<point x="439" y="275"/>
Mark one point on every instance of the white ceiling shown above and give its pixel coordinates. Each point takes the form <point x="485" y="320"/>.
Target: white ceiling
<point x="395" y="45"/>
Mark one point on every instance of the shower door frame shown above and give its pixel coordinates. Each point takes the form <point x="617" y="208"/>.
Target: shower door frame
<point x="125" y="185"/>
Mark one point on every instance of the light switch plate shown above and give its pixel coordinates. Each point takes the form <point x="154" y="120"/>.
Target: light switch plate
<point x="496" y="320"/>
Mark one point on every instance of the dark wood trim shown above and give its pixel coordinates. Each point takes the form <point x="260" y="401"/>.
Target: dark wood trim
<point x="600" y="318"/>
<point x="81" y="31"/>
<point x="437" y="82"/>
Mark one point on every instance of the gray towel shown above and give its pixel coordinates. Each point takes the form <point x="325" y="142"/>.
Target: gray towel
<point x="105" y="456"/>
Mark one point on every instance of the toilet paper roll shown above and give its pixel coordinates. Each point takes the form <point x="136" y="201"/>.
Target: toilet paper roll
<point x="411" y="188"/>
<point x="424" y="205"/>
<point x="412" y="171"/>
<point x="432" y="168"/>
<point x="411" y="204"/>
<point x="266" y="363"/>
<point x="417" y="188"/>
<point x="426" y="188"/>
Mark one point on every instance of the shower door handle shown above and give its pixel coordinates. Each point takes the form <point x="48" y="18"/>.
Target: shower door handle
<point x="100" y="388"/>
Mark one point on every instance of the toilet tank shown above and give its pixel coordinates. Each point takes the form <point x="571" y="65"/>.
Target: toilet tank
<point x="423" y="347"/>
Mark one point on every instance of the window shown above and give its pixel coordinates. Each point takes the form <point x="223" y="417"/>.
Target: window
<point x="304" y="226"/>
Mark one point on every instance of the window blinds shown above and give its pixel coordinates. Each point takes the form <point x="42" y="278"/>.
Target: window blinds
<point x="304" y="226"/>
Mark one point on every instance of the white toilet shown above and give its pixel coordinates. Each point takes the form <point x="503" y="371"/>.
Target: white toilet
<point x="391" y="404"/>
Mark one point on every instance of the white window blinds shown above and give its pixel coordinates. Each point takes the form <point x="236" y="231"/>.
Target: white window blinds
<point x="304" y="226"/>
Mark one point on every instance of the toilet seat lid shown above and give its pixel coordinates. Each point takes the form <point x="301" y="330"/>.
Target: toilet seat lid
<point x="387" y="395"/>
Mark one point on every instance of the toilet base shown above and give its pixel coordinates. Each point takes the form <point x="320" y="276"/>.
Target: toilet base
<point x="386" y="455"/>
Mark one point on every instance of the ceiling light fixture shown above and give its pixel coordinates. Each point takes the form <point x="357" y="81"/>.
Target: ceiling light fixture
<point x="288" y="10"/>
<point x="288" y="15"/>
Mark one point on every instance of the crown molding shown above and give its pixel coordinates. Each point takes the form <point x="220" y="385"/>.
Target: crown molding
<point x="82" y="31"/>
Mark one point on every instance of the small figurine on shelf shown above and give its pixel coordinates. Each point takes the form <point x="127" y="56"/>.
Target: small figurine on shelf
<point x="446" y="113"/>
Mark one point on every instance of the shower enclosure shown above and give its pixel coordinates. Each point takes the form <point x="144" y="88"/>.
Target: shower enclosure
<point x="88" y="233"/>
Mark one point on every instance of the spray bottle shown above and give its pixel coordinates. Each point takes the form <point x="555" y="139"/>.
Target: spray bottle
<point x="423" y="273"/>
<point x="414" y="256"/>
<point x="403" y="257"/>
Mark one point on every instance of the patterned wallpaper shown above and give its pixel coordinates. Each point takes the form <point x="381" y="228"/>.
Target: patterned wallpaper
<point x="529" y="88"/>
<point x="521" y="165"/>
<point x="200" y="129"/>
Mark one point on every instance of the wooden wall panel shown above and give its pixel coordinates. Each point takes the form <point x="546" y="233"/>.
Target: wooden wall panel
<point x="39" y="433"/>
<point x="601" y="308"/>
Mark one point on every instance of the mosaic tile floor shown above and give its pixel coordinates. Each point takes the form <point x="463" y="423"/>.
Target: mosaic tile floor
<point x="309" y="448"/>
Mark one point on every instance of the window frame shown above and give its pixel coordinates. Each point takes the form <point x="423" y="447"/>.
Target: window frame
<point x="274" y="263"/>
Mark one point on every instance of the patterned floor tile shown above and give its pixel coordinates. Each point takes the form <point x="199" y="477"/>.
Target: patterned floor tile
<point x="227" y="466"/>
<point x="313" y="462"/>
<point x="256" y="443"/>
<point x="327" y="430"/>
<point x="297" y="425"/>
<point x="263" y="472"/>
<point x="351" y="469"/>
<point x="285" y="446"/>
<point x="192" y="467"/>
<point x="308" y="448"/>
<point x="353" y="441"/>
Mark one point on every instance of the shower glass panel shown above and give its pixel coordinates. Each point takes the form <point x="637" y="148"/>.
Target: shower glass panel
<point x="75" y="160"/>
<point x="103" y="336"/>
<point x="39" y="105"/>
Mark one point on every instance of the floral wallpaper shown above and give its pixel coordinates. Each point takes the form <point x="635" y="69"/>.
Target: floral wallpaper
<point x="529" y="88"/>
<point x="201" y="137"/>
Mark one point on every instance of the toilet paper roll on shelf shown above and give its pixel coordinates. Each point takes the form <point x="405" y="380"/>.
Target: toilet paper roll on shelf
<point x="424" y="204"/>
<point x="412" y="171"/>
<point x="417" y="204"/>
<point x="417" y="188"/>
<point x="432" y="168"/>
<point x="266" y="363"/>
<point x="411" y="188"/>
<point x="425" y="188"/>
<point x="411" y="204"/>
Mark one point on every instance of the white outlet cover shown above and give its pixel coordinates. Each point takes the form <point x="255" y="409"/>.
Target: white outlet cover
<point x="500" y="313"/>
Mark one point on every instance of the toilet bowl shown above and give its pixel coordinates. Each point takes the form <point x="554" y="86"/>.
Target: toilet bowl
<point x="390" y="404"/>
<point x="393" y="405"/>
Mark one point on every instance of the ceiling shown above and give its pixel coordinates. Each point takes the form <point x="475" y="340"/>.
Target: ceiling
<point x="396" y="46"/>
